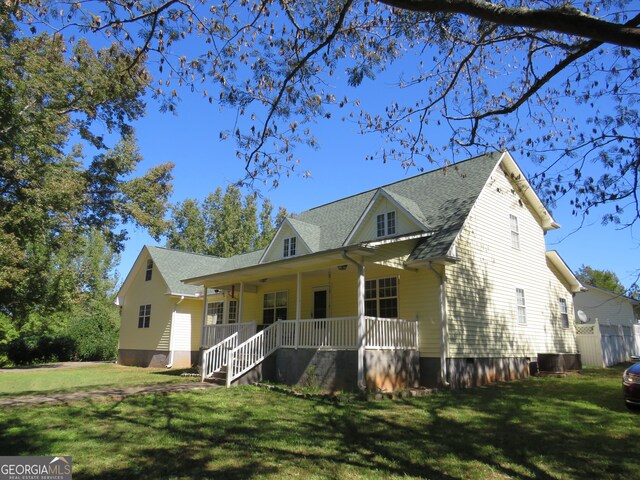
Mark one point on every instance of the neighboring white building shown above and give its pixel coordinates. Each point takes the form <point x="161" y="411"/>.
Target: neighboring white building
<point x="605" y="306"/>
<point x="607" y="330"/>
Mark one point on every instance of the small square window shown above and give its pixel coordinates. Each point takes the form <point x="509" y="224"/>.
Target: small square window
<point x="515" y="232"/>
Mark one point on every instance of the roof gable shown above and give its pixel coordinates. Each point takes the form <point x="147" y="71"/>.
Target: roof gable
<point x="409" y="217"/>
<point x="173" y="266"/>
<point x="304" y="234"/>
<point x="438" y="202"/>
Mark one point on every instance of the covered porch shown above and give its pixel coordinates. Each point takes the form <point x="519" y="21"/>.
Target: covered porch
<point x="336" y="315"/>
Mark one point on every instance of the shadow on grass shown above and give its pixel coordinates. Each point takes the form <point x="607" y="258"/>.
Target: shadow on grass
<point x="540" y="428"/>
<point x="175" y="372"/>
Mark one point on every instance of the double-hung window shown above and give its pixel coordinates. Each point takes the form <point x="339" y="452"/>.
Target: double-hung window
<point x="515" y="232"/>
<point x="144" y="316"/>
<point x="233" y="311"/>
<point x="274" y="307"/>
<point x="564" y="313"/>
<point x="522" y="308"/>
<point x="386" y="224"/>
<point x="215" y="311"/>
<point x="289" y="249"/>
<point x="381" y="297"/>
<point x="149" y="272"/>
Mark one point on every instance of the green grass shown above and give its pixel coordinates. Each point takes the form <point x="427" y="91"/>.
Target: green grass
<point x="46" y="380"/>
<point x="564" y="428"/>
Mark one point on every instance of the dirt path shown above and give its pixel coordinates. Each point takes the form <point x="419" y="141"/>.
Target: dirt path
<point x="111" y="393"/>
<point x="61" y="365"/>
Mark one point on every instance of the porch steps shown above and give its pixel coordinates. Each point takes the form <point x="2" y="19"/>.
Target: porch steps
<point x="219" y="377"/>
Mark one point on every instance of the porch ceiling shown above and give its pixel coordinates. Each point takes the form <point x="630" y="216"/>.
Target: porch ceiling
<point x="283" y="268"/>
<point x="392" y="253"/>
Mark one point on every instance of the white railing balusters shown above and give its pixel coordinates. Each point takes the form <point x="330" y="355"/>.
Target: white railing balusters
<point x="214" y="334"/>
<point x="327" y="333"/>
<point x="214" y="358"/>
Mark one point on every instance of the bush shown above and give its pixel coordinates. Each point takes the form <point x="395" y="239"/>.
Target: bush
<point x="7" y="334"/>
<point x="40" y="349"/>
<point x="94" y="332"/>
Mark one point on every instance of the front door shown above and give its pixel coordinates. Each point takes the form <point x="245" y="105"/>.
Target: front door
<point x="320" y="303"/>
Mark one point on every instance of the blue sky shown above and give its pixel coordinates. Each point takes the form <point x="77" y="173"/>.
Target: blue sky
<point x="190" y="139"/>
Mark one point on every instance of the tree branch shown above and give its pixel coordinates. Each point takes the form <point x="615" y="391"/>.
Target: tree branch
<point x="565" y="19"/>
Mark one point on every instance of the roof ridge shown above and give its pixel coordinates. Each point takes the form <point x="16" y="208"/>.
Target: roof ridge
<point x="183" y="251"/>
<point x="381" y="187"/>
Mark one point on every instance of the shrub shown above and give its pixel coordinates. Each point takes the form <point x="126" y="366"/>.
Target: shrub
<point x="27" y="350"/>
<point x="94" y="331"/>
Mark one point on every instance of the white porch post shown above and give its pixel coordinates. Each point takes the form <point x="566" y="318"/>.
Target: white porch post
<point x="298" y="308"/>
<point x="204" y="316"/>
<point x="240" y="301"/>
<point x="361" y="327"/>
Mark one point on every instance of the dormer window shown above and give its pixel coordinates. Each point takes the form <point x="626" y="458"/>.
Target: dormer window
<point x="386" y="224"/>
<point x="149" y="271"/>
<point x="289" y="247"/>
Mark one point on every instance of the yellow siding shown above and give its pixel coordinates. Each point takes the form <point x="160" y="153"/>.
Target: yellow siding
<point x="142" y="292"/>
<point x="417" y="298"/>
<point x="481" y="288"/>
<point x="367" y="231"/>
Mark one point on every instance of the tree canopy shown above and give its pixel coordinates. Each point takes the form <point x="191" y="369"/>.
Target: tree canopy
<point x="223" y="225"/>
<point x="605" y="279"/>
<point x="554" y="80"/>
<point x="59" y="99"/>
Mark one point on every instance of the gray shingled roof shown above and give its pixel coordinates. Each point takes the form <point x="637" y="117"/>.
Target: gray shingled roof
<point x="440" y="199"/>
<point x="175" y="265"/>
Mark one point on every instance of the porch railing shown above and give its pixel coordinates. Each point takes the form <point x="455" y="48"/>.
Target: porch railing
<point x="214" y="334"/>
<point x="390" y="333"/>
<point x="247" y="355"/>
<point x="329" y="333"/>
<point x="337" y="333"/>
<point x="216" y="357"/>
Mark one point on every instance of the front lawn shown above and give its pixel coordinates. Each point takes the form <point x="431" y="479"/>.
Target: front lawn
<point x="51" y="380"/>
<point x="565" y="428"/>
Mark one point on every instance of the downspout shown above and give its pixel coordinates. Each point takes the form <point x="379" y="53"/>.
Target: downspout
<point x="361" y="321"/>
<point x="444" y="334"/>
<point x="173" y="322"/>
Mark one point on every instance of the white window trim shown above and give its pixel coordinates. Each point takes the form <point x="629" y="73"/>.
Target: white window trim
<point x="229" y="310"/>
<point x="144" y="313"/>
<point x="515" y="231"/>
<point x="211" y="313"/>
<point x="289" y="245"/>
<point x="378" y="297"/>
<point x="386" y="221"/>
<point x="564" y="312"/>
<point x="521" y="309"/>
<point x="275" y="304"/>
<point x="148" y="274"/>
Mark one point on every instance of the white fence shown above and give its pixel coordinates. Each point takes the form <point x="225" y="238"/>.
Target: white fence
<point x="603" y="345"/>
